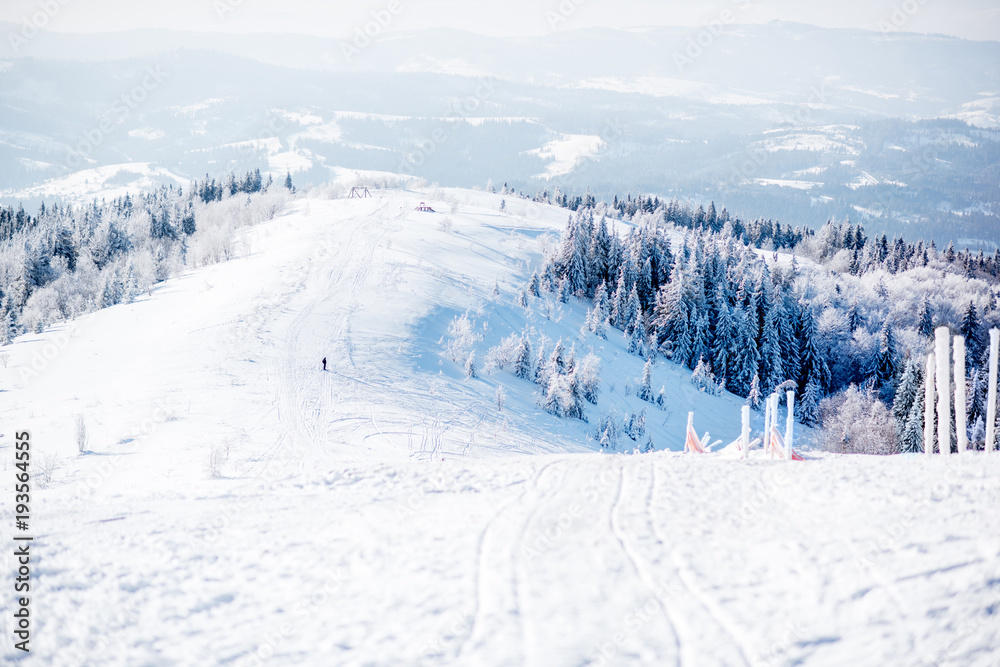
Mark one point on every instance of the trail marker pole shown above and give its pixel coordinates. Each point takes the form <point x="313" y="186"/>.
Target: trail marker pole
<point x="943" y="342"/>
<point x="960" y="406"/>
<point x="991" y="405"/>
<point x="789" y="423"/>
<point x="929" y="405"/>
<point x="774" y="421"/>
<point x="689" y="427"/>
<point x="767" y="425"/>
<point x="745" y="434"/>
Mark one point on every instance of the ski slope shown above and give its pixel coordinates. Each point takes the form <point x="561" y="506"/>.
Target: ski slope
<point x="238" y="505"/>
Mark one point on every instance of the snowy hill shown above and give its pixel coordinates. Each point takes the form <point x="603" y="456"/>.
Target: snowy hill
<point x="236" y="504"/>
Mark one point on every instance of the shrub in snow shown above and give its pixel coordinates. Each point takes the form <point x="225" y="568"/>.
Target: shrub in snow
<point x="703" y="379"/>
<point x="501" y="397"/>
<point x="81" y="434"/>
<point x="562" y="398"/>
<point x="635" y="427"/>
<point x="462" y="337"/>
<point x="608" y="432"/>
<point x="588" y="377"/>
<point x="502" y="355"/>
<point x="470" y="366"/>
<point x="856" y="422"/>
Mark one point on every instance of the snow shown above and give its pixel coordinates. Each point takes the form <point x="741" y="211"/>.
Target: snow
<point x="290" y="161"/>
<point x="820" y="140"/>
<point x="670" y="87"/>
<point x="864" y="180"/>
<point x="567" y="152"/>
<point x="238" y="505"/>
<point x="798" y="185"/>
<point x="80" y="187"/>
<point x="147" y="133"/>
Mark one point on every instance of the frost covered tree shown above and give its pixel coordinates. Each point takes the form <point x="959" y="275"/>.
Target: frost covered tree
<point x="522" y="359"/>
<point x="637" y="342"/>
<point x="856" y="422"/>
<point x="703" y="379"/>
<point x="911" y="436"/>
<point x="645" y="390"/>
<point x="470" y="366"/>
<point x="722" y="346"/>
<point x="925" y="326"/>
<point x="808" y="407"/>
<point x="972" y="330"/>
<point x="882" y="366"/>
<point x="754" y="397"/>
<point x="588" y="377"/>
<point x="910" y="387"/>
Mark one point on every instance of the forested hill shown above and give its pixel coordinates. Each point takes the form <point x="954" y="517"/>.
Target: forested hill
<point x="695" y="287"/>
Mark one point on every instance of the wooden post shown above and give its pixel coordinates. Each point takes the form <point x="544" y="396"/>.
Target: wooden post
<point x="929" y="405"/>
<point x="775" y="398"/>
<point x="991" y="406"/>
<point x="767" y="425"/>
<point x="789" y="424"/>
<point x="689" y="427"/>
<point x="745" y="434"/>
<point x="943" y="342"/>
<point x="960" y="408"/>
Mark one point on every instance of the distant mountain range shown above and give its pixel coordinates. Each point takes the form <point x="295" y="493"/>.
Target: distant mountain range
<point x="779" y="120"/>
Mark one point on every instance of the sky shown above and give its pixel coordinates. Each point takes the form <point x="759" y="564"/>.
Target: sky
<point x="970" y="19"/>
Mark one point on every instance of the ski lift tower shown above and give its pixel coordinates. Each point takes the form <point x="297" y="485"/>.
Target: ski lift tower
<point x="360" y="193"/>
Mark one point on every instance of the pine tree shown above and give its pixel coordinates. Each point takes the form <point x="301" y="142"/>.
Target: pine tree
<point x="637" y="342"/>
<point x="557" y="360"/>
<point x="288" y="182"/>
<point x="704" y="380"/>
<point x="926" y="324"/>
<point x="645" y="390"/>
<point x="754" y="397"/>
<point x="470" y="366"/>
<point x="972" y="330"/>
<point x="541" y="376"/>
<point x="911" y="438"/>
<point x="746" y="357"/>
<point x="632" y="315"/>
<point x="910" y="386"/>
<point x="812" y="364"/>
<point x="808" y="406"/>
<point x="725" y="331"/>
<point x="882" y="367"/>
<point x="522" y="359"/>
<point x="771" y="366"/>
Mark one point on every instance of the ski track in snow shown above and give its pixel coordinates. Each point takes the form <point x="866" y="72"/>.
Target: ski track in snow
<point x="385" y="513"/>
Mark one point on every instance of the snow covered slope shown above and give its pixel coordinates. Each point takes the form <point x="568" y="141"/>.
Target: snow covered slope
<point x="237" y="505"/>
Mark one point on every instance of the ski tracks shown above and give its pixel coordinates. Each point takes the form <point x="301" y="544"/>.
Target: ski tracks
<point x="706" y="623"/>
<point x="498" y="627"/>
<point x="306" y="400"/>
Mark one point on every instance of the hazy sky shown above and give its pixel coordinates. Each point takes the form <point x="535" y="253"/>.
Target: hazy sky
<point x="973" y="19"/>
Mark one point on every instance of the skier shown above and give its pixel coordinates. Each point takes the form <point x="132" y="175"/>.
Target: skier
<point x="324" y="363"/>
